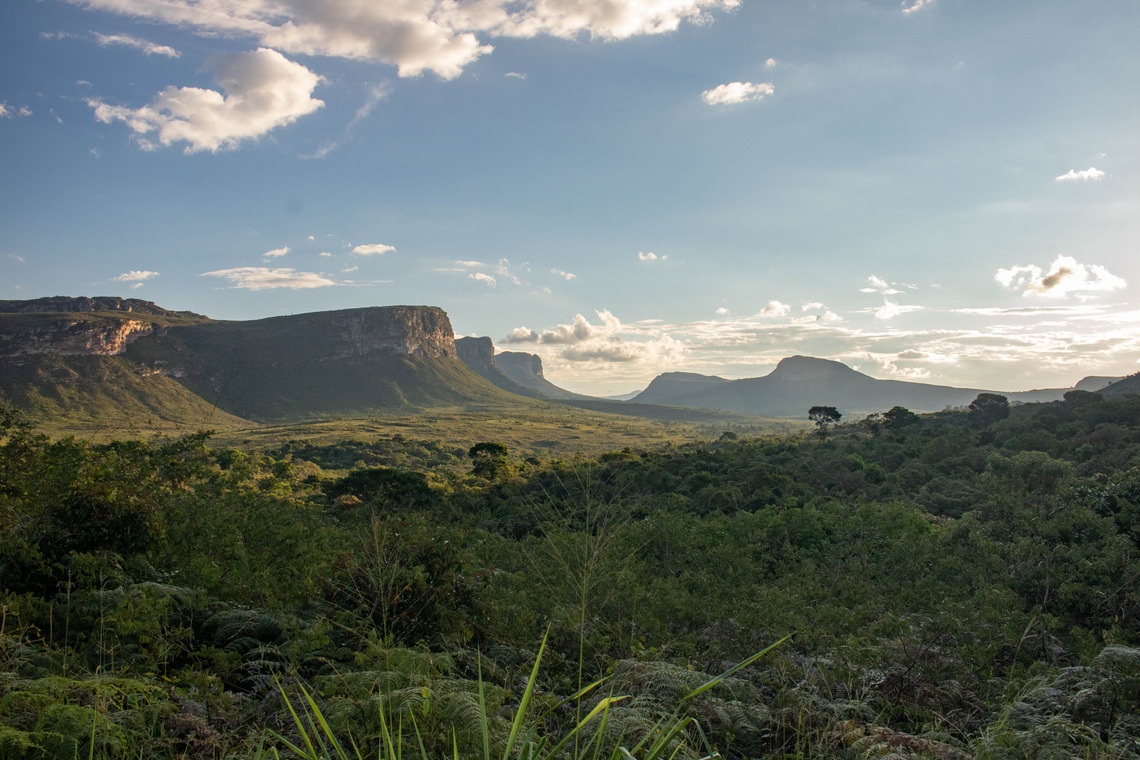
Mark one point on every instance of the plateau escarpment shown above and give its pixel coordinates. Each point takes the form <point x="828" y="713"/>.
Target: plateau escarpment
<point x="100" y="357"/>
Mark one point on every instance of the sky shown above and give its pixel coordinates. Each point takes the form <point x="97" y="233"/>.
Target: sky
<point x="945" y="191"/>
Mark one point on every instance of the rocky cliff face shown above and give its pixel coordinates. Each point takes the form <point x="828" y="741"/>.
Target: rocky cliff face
<point x="70" y="337"/>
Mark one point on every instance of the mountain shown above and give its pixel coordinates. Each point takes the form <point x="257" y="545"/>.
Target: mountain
<point x="800" y="382"/>
<point x="513" y="371"/>
<point x="1130" y="384"/>
<point x="94" y="359"/>
<point x="1095" y="384"/>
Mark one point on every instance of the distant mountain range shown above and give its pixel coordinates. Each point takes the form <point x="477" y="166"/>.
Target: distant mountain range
<point x="108" y="359"/>
<point x="800" y="382"/>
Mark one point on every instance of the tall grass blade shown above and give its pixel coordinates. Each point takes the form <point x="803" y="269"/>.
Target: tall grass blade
<point x="516" y="724"/>
<point x="745" y="663"/>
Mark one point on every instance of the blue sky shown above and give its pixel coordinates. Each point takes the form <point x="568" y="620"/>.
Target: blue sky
<point x="937" y="190"/>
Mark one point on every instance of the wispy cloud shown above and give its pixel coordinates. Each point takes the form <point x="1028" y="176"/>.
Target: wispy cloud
<point x="563" y="275"/>
<point x="876" y="284"/>
<point x="147" y="48"/>
<point x="276" y="253"/>
<point x="737" y="92"/>
<point x="1091" y="173"/>
<point x="375" y="94"/>
<point x="262" y="90"/>
<point x="484" y="278"/>
<point x="263" y="278"/>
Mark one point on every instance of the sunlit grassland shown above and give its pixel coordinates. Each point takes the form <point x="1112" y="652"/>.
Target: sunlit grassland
<point x="555" y="430"/>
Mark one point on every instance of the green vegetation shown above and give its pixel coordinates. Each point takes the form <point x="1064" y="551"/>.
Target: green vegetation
<point x="952" y="587"/>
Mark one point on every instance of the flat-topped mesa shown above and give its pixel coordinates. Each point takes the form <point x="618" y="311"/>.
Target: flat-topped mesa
<point x="84" y="303"/>
<point x="423" y="331"/>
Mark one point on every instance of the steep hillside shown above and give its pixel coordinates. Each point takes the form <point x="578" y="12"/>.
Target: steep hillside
<point x="479" y="356"/>
<point x="1130" y="384"/>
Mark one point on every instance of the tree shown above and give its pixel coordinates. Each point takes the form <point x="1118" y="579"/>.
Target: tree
<point x="899" y="416"/>
<point x="988" y="408"/>
<point x="824" y="417"/>
<point x="488" y="458"/>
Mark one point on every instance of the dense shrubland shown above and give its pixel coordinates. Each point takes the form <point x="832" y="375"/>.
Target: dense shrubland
<point x="955" y="585"/>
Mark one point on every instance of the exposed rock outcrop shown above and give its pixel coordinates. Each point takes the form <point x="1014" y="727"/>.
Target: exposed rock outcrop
<point x="69" y="337"/>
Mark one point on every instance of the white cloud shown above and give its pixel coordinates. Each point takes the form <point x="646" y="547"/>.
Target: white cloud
<point x="310" y="237"/>
<point x="1066" y="275"/>
<point x="349" y="270"/>
<point x="483" y="277"/>
<point x="373" y="249"/>
<point x="276" y="253"/>
<point x="770" y="63"/>
<point x="503" y="269"/>
<point x="890" y="309"/>
<point x="811" y="306"/>
<point x="414" y="35"/>
<point x="147" y="48"/>
<point x="775" y="309"/>
<point x="470" y="264"/>
<point x="263" y="278"/>
<point x="515" y="75"/>
<point x="1091" y="173"/>
<point x="563" y="275"/>
<point x="325" y="255"/>
<point x="580" y="341"/>
<point x="877" y="284"/>
<point x="916" y="5"/>
<point x="263" y="90"/>
<point x="135" y="275"/>
<point x="14" y="257"/>
<point x="650" y="256"/>
<point x="722" y="310"/>
<point x="7" y="111"/>
<point x="375" y="95"/>
<point x="737" y="92"/>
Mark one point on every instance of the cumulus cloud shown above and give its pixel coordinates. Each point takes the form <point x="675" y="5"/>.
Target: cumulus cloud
<point x="775" y="309"/>
<point x="263" y="278"/>
<point x="483" y="277"/>
<point x="737" y="92"/>
<point x="1065" y="276"/>
<point x="262" y="90"/>
<point x="563" y="275"/>
<point x="135" y="275"/>
<point x="373" y="249"/>
<point x="325" y="254"/>
<point x="147" y="48"/>
<point x="581" y="341"/>
<point x="414" y="35"/>
<point x="650" y="256"/>
<point x="770" y="63"/>
<point x="276" y="253"/>
<point x="916" y="5"/>
<point x="1091" y="173"/>
<point x="722" y="310"/>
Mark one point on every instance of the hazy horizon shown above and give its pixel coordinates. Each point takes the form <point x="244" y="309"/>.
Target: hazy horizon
<point x="937" y="191"/>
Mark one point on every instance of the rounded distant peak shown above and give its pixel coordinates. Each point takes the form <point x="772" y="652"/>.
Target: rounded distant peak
<point x="809" y="366"/>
